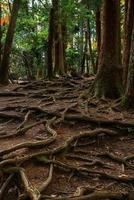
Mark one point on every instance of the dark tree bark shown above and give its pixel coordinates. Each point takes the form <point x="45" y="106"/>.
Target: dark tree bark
<point x="50" y="46"/>
<point x="108" y="80"/>
<point x="58" y="40"/>
<point x="0" y="34"/>
<point x="64" y="35"/>
<point x="90" y="46"/>
<point x="129" y="14"/>
<point x="98" y="36"/>
<point x="129" y="96"/>
<point x="4" y="68"/>
<point x="84" y="54"/>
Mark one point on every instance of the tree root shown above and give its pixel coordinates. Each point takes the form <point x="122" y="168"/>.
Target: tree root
<point x="12" y="94"/>
<point x="31" y="192"/>
<point x="25" y="120"/>
<point x="35" y="144"/>
<point x="113" y="157"/>
<point x="8" y="115"/>
<point x="47" y="182"/>
<point x="85" y="171"/>
<point x="118" y="159"/>
<point x="22" y="131"/>
<point x="99" y="121"/>
<point x="5" y="186"/>
<point x="58" y="149"/>
<point x="104" y="195"/>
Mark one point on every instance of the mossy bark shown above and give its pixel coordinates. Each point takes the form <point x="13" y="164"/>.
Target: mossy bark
<point x="108" y="83"/>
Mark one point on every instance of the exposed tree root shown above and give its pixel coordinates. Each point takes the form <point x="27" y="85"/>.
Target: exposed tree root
<point x="58" y="149"/>
<point x="34" y="144"/>
<point x="99" y="121"/>
<point x="5" y="185"/>
<point x="93" y="196"/>
<point x="25" y="120"/>
<point x="12" y="94"/>
<point x="47" y="182"/>
<point x="92" y="162"/>
<point x="8" y="115"/>
<point x="22" y="131"/>
<point x="30" y="191"/>
<point x="85" y="171"/>
<point x="61" y="101"/>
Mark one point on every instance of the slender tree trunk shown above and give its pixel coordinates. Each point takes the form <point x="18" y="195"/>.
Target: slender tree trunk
<point x="50" y="46"/>
<point x="81" y="44"/>
<point x="84" y="54"/>
<point x="8" y="43"/>
<point x="129" y="96"/>
<point x="64" y="34"/>
<point x="127" y="41"/>
<point x="90" y="46"/>
<point x="108" y="79"/>
<point x="61" y="51"/>
<point x="98" y="36"/>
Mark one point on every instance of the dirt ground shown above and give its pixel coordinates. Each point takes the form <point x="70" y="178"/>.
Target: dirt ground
<point x="57" y="142"/>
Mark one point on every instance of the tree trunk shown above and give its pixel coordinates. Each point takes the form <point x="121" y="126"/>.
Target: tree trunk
<point x="129" y="96"/>
<point x="64" y="34"/>
<point x="108" y="80"/>
<point x="50" y="46"/>
<point x="84" y="54"/>
<point x="90" y="46"/>
<point x="58" y="39"/>
<point x="8" y="43"/>
<point x="81" y="44"/>
<point x="0" y="34"/>
<point x="98" y="36"/>
<point x="129" y="15"/>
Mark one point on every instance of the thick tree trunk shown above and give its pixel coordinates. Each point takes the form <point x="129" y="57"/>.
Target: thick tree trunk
<point x="8" y="43"/>
<point x="129" y="96"/>
<point x="58" y="39"/>
<point x="108" y="79"/>
<point x="129" y="15"/>
<point x="0" y="34"/>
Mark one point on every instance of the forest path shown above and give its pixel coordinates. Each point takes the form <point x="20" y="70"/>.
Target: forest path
<point x="57" y="143"/>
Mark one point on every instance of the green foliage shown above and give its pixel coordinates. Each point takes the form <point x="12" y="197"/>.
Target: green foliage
<point x="42" y="158"/>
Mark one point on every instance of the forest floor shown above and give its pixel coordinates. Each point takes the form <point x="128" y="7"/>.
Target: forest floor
<point x="58" y="143"/>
